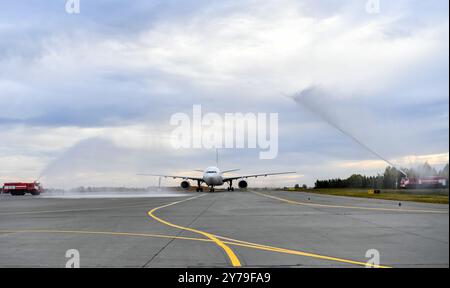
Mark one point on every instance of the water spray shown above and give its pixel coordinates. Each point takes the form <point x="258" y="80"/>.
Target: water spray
<point x="301" y="99"/>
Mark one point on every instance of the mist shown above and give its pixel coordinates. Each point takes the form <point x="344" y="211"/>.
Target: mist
<point x="356" y="121"/>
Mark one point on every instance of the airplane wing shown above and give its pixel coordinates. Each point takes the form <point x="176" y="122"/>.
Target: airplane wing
<point x="232" y="170"/>
<point x="256" y="175"/>
<point x="174" y="177"/>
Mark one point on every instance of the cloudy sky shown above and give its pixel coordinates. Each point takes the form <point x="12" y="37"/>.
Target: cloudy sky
<point x="86" y="98"/>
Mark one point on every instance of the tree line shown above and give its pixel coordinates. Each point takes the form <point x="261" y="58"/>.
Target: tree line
<point x="388" y="180"/>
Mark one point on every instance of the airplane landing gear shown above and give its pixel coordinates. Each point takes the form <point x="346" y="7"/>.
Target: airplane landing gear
<point x="231" y="186"/>
<point x="199" y="188"/>
<point x="211" y="189"/>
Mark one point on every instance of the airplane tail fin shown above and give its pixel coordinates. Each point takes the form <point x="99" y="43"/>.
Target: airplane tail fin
<point x="217" y="157"/>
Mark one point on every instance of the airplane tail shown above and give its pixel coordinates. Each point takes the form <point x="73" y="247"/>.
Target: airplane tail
<point x="217" y="157"/>
<point x="217" y="163"/>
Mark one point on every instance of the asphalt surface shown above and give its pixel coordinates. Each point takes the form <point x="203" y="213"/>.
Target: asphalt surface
<point x="280" y="229"/>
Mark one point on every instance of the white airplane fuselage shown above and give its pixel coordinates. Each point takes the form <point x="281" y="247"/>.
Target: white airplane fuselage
<point x="213" y="176"/>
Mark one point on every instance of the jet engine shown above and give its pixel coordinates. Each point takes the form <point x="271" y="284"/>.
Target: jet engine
<point x="242" y="184"/>
<point x="185" y="185"/>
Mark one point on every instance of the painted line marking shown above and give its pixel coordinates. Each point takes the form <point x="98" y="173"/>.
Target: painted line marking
<point x="229" y="241"/>
<point x="106" y="233"/>
<point x="295" y="252"/>
<point x="348" y="207"/>
<point x="72" y="210"/>
<point x="236" y="242"/>
<point x="231" y="255"/>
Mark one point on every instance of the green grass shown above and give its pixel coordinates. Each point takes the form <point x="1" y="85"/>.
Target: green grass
<point x="439" y="196"/>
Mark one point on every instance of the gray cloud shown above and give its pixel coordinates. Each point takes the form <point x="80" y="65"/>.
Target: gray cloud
<point x="118" y="64"/>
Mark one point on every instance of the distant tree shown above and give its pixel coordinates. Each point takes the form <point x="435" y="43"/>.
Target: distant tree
<point x="426" y="170"/>
<point x="355" y="181"/>
<point x="444" y="171"/>
<point x="391" y="177"/>
<point x="297" y="186"/>
<point x="304" y="186"/>
<point x="388" y="180"/>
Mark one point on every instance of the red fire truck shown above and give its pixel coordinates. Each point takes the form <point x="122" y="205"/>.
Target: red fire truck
<point x="21" y="188"/>
<point x="424" y="182"/>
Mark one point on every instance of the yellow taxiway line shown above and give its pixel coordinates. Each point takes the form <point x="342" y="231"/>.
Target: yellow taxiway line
<point x="221" y="241"/>
<point x="234" y="260"/>
<point x="295" y="252"/>
<point x="73" y="210"/>
<point x="132" y="234"/>
<point x="347" y="206"/>
<point x="231" y="255"/>
<point x="228" y="241"/>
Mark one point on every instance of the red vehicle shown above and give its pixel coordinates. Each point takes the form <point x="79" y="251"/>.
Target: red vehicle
<point x="424" y="182"/>
<point x="20" y="188"/>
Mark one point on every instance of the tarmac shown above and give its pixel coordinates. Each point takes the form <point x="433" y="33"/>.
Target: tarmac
<point x="252" y="228"/>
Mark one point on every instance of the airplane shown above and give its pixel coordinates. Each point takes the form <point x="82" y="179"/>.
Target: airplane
<point x="213" y="176"/>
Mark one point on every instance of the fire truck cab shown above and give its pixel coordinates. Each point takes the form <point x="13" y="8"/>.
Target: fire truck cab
<point x="21" y="188"/>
